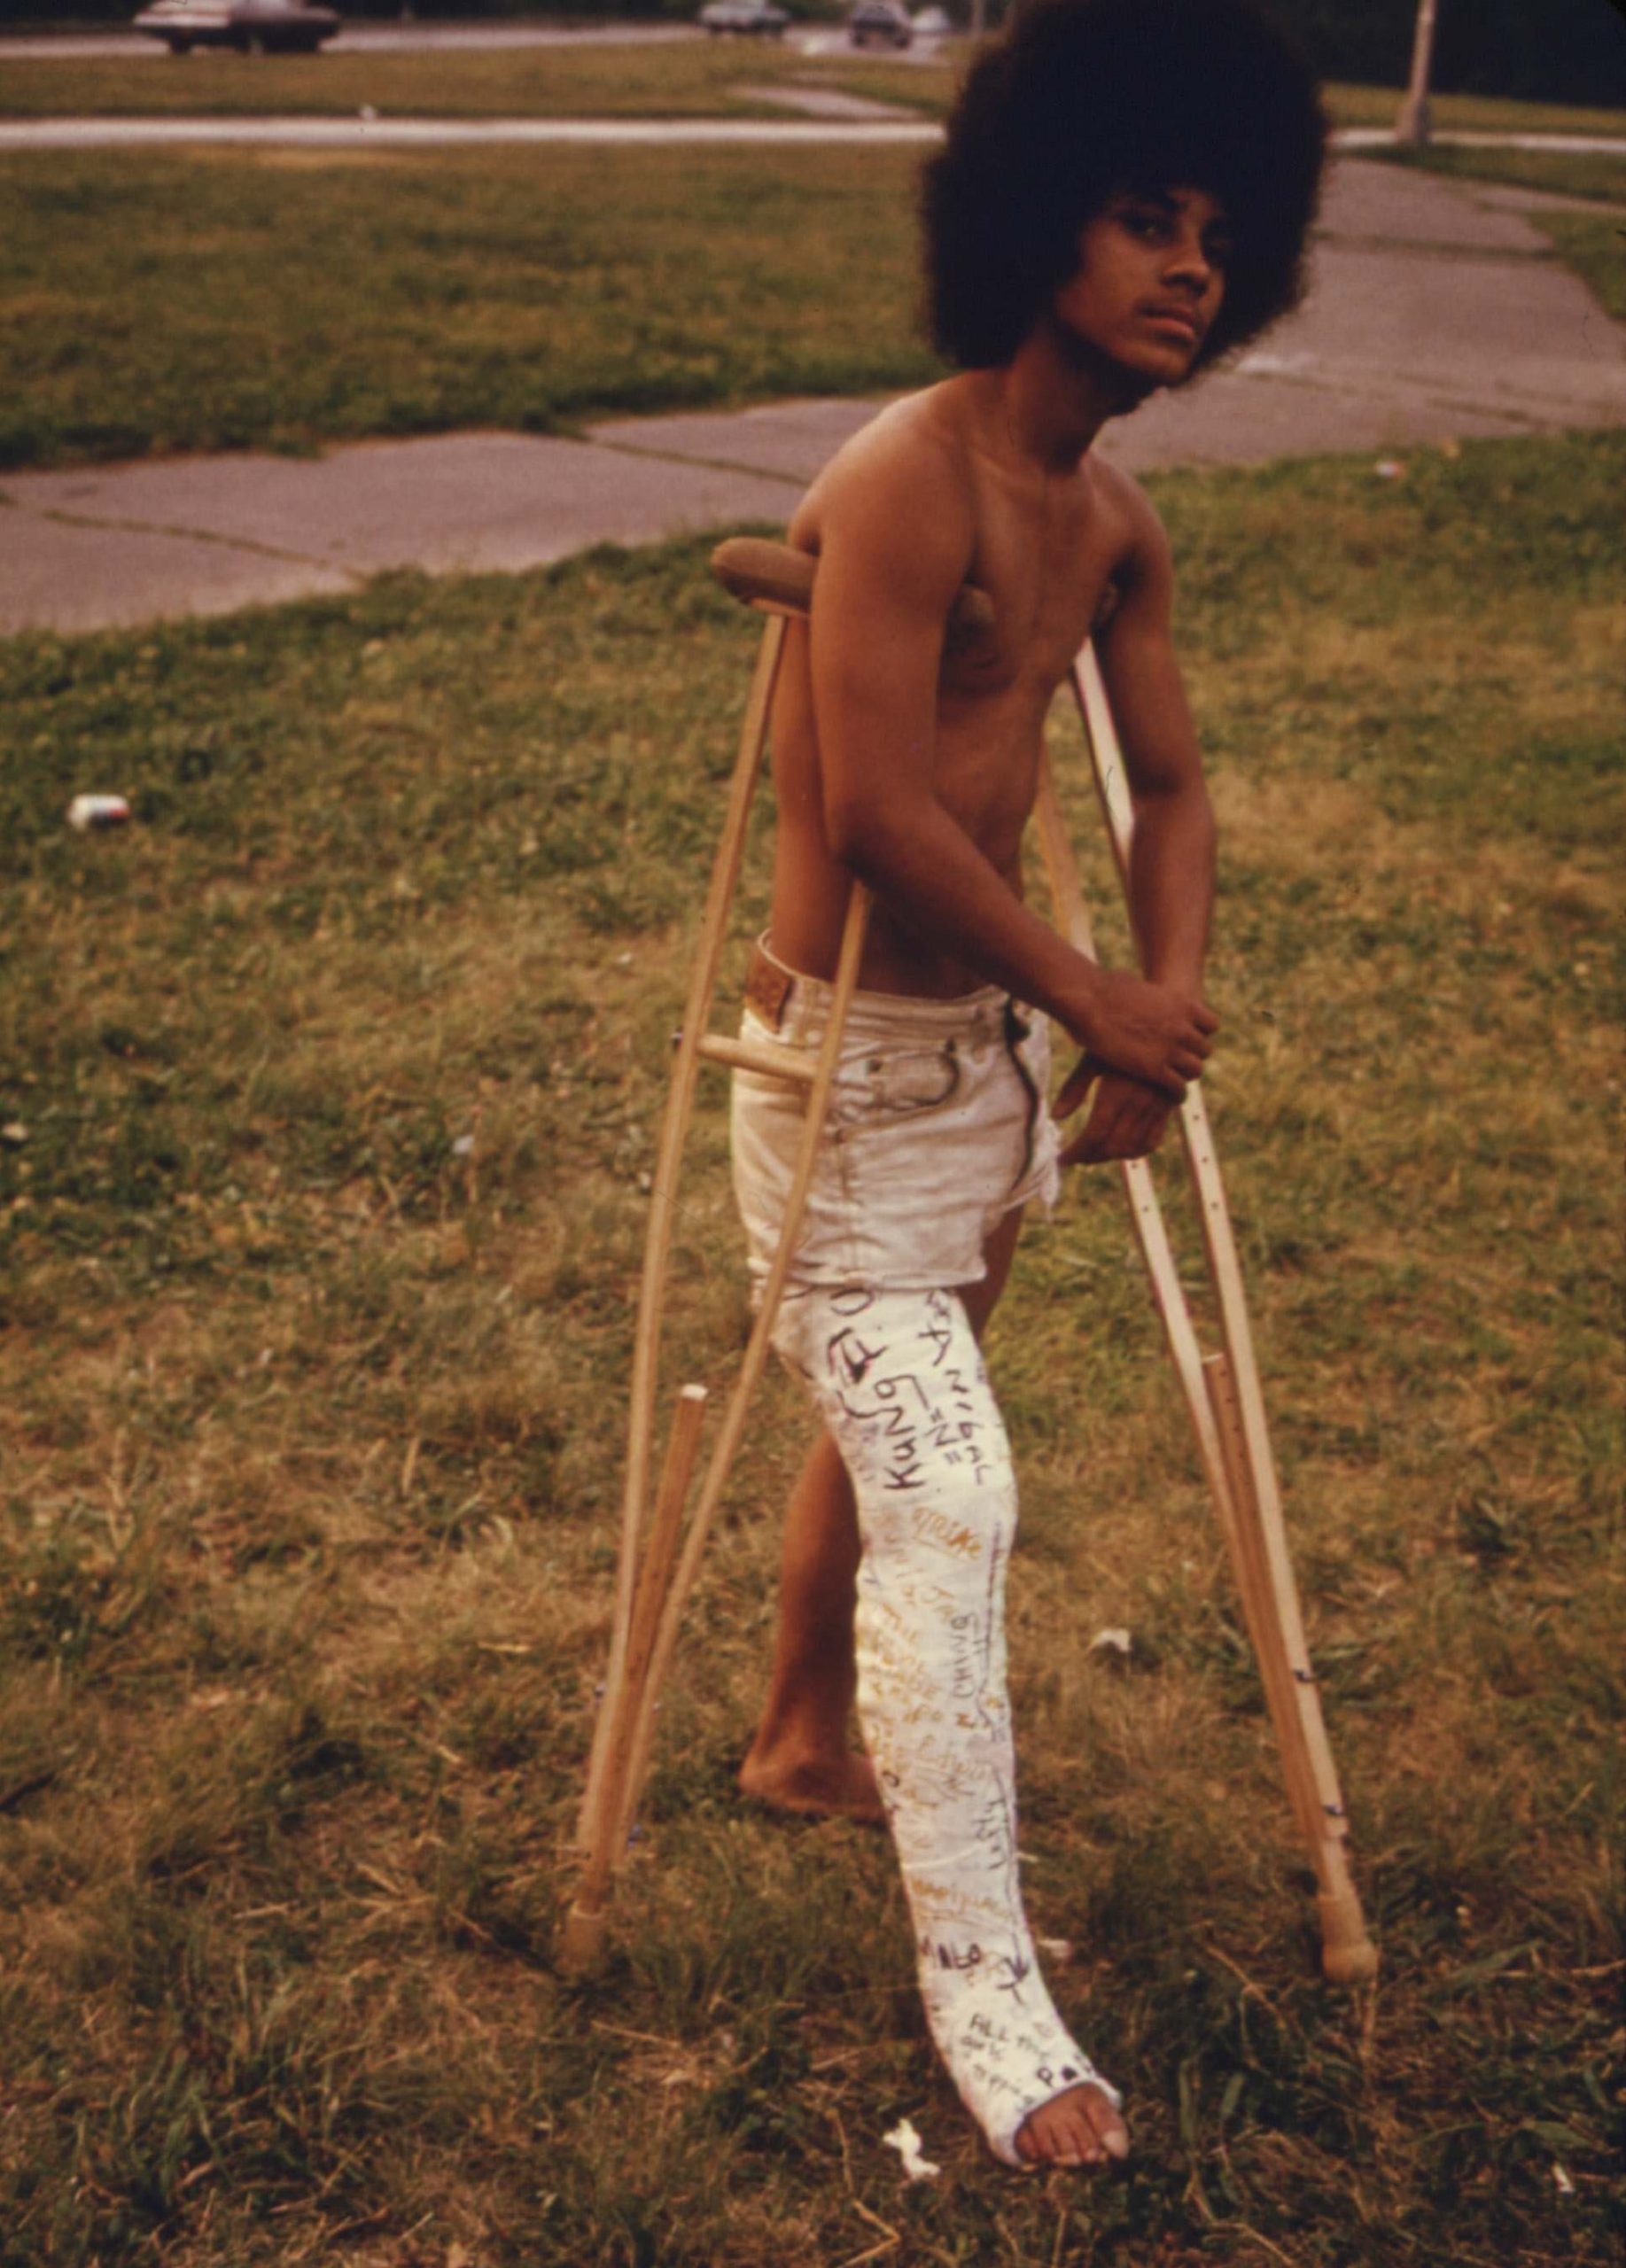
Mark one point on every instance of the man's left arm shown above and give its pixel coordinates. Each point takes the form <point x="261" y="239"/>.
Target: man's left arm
<point x="1171" y="857"/>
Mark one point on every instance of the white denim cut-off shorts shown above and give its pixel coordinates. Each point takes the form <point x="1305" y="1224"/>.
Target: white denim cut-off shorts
<point x="938" y="1126"/>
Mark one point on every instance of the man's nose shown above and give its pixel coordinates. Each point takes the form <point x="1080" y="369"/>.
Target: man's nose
<point x="1190" y="263"/>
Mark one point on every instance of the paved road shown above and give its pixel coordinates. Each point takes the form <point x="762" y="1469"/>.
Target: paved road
<point x="1435" y="313"/>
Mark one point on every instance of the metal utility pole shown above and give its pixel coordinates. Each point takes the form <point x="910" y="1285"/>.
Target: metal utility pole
<point x="1414" y="123"/>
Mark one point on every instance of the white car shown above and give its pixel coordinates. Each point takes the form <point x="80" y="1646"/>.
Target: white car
<point x="253" y="27"/>
<point x="758" y="18"/>
<point x="880" y="23"/>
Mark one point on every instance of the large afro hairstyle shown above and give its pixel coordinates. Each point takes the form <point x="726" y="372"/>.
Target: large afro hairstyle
<point x="1078" y="100"/>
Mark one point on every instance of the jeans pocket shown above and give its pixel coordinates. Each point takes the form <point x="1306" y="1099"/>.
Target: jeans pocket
<point x="889" y="1087"/>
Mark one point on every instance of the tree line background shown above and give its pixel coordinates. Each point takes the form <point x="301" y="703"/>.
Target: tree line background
<point x="1553" y="50"/>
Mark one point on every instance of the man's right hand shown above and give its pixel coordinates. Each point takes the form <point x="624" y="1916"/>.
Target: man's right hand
<point x="1154" y="1032"/>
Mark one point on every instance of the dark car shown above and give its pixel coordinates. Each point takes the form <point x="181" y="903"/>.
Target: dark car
<point x="880" y="23"/>
<point x="760" y="18"/>
<point x="253" y="27"/>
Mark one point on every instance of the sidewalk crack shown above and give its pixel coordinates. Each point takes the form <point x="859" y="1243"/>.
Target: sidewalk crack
<point x="797" y="480"/>
<point x="253" y="545"/>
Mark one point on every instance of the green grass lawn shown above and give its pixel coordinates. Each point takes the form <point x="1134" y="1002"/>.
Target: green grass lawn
<point x="681" y="80"/>
<point x="201" y="299"/>
<point x="1596" y="250"/>
<point x="1562" y="173"/>
<point x="1352" y="105"/>
<point x="327" y="1101"/>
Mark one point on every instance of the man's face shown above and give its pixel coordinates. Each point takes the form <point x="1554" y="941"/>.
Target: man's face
<point x="1150" y="277"/>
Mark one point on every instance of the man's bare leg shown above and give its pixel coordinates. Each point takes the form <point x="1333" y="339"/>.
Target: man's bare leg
<point x="800" y="1759"/>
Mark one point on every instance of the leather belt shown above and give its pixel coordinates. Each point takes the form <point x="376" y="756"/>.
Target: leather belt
<point x="769" y="989"/>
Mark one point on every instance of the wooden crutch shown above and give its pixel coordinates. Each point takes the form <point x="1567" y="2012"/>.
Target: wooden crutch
<point x="653" y="1578"/>
<point x="1222" y="1393"/>
<point x="650" y="1593"/>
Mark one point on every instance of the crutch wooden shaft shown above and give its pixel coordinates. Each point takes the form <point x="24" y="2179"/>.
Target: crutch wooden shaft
<point x="1252" y="1576"/>
<point x="1259" y="1546"/>
<point x="1347" y="1956"/>
<point x="1225" y="1268"/>
<point x="732" y="1425"/>
<point x="657" y="1234"/>
<point x="1073" y="920"/>
<point x="583" y="1928"/>
<point x="1223" y="1467"/>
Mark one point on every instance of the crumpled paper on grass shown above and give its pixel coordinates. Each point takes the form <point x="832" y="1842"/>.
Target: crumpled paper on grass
<point x="907" y="2142"/>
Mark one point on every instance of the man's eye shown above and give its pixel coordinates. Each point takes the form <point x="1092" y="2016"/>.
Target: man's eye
<point x="1219" y="252"/>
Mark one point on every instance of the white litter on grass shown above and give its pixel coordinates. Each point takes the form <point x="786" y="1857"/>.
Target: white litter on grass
<point x="1112" y="1641"/>
<point x="907" y="2142"/>
<point x="1058" y="1950"/>
<point x="1566" y="2186"/>
<point x="464" y="1146"/>
<point x="98" y="810"/>
<point x="1390" y="469"/>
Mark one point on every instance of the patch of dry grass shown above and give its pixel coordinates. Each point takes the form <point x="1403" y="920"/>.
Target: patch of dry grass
<point x="330" y="1087"/>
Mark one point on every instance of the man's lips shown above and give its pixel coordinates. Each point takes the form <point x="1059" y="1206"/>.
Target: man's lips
<point x="1180" y="319"/>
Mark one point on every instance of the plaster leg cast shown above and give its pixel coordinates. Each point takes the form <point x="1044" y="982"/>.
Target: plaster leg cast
<point x="900" y="1383"/>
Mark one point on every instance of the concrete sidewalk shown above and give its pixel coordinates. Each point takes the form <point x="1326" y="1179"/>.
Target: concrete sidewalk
<point x="1437" y="312"/>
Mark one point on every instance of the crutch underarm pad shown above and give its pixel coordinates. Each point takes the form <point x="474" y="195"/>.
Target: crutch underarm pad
<point x="775" y="575"/>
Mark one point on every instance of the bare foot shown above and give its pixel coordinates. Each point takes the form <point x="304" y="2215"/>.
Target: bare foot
<point x="1077" y="2128"/>
<point x="815" y="1786"/>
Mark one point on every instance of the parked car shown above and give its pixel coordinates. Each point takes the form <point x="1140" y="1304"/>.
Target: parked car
<point x="758" y="18"/>
<point x="880" y="23"/>
<point x="253" y="27"/>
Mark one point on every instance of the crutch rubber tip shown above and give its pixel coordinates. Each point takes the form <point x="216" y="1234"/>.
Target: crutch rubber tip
<point x="581" y="1939"/>
<point x="1348" y="1954"/>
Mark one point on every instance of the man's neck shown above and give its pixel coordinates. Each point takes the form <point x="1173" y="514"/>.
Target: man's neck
<point x="1052" y="405"/>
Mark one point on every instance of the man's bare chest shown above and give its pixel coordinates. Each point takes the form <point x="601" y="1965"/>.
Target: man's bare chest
<point x="1049" y="561"/>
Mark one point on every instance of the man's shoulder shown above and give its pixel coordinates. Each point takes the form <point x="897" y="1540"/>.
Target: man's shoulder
<point x="1118" y="498"/>
<point x="908" y="463"/>
<point x="917" y="432"/>
<point x="1120" y="492"/>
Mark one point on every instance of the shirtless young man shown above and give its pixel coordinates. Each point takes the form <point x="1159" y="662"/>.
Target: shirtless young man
<point x="1124" y="193"/>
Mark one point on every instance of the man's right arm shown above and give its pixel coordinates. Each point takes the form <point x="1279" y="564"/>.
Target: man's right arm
<point x="888" y="576"/>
